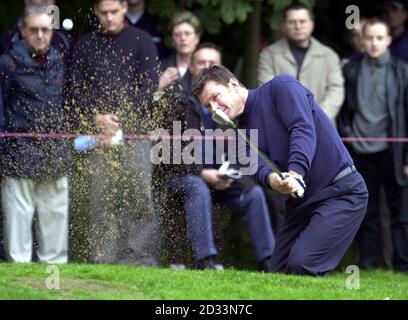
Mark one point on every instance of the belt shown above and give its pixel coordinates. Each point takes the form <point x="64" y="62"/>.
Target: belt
<point x="343" y="173"/>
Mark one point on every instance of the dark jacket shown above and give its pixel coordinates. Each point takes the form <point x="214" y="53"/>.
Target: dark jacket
<point x="397" y="103"/>
<point x="149" y="24"/>
<point x="114" y="74"/>
<point x="186" y="81"/>
<point x="32" y="102"/>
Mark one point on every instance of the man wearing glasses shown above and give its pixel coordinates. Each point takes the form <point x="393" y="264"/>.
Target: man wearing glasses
<point x="316" y="66"/>
<point x="61" y="40"/>
<point x="34" y="170"/>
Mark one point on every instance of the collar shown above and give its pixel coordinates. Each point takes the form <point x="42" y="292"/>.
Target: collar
<point x="247" y="108"/>
<point x="315" y="47"/>
<point x="133" y="18"/>
<point x="294" y="46"/>
<point x="380" y="62"/>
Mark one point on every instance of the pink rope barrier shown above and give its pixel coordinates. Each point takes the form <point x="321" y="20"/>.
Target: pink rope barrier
<point x="125" y="137"/>
<point x="171" y="137"/>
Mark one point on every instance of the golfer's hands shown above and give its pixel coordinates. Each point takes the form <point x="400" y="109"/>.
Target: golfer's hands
<point x="169" y="75"/>
<point x="109" y="125"/>
<point x="213" y="178"/>
<point x="289" y="185"/>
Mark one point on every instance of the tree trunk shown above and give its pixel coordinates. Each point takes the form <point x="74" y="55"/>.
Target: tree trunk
<point x="252" y="37"/>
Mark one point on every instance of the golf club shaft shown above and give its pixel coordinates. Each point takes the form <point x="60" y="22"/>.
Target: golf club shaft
<point x="268" y="162"/>
<point x="221" y="118"/>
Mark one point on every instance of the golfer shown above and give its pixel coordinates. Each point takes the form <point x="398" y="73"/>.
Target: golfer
<point x="295" y="134"/>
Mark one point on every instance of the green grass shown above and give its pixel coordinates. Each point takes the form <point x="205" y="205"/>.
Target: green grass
<point x="28" y="281"/>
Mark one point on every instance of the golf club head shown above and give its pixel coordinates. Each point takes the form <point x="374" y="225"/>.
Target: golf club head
<point x="221" y="118"/>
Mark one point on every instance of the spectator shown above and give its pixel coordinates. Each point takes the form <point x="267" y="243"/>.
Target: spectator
<point x="204" y="185"/>
<point x="60" y="39"/>
<point x="114" y="76"/>
<point x="138" y="17"/>
<point x="395" y="14"/>
<point x="185" y="29"/>
<point x="304" y="57"/>
<point x="355" y="39"/>
<point x="375" y="107"/>
<point x="34" y="170"/>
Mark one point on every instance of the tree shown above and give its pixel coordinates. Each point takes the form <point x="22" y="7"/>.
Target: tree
<point x="217" y="14"/>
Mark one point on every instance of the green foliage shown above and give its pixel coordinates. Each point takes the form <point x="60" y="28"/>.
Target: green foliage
<point x="309" y="3"/>
<point x="163" y="9"/>
<point x="212" y="13"/>
<point x="215" y="13"/>
<point x="234" y="10"/>
<point x="206" y="15"/>
<point x="9" y="10"/>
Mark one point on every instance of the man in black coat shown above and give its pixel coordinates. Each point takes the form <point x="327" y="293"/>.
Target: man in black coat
<point x="113" y="78"/>
<point x="376" y="107"/>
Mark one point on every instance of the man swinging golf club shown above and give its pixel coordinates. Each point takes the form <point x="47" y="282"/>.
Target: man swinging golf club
<point x="296" y="136"/>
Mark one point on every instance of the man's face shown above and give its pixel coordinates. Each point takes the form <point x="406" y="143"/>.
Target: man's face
<point x="39" y="2"/>
<point x="37" y="33"/>
<point x="356" y="41"/>
<point x="184" y="38"/>
<point x="217" y="96"/>
<point x="204" y="58"/>
<point x="376" y="40"/>
<point x="298" y="25"/>
<point x="395" y="17"/>
<point x="111" y="15"/>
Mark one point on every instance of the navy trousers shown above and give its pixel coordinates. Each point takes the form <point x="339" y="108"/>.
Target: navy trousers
<point x="198" y="199"/>
<point x="317" y="231"/>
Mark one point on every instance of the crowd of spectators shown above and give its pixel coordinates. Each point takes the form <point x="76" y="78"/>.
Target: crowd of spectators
<point x="117" y="83"/>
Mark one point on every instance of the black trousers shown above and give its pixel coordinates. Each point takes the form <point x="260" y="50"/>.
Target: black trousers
<point x="378" y="171"/>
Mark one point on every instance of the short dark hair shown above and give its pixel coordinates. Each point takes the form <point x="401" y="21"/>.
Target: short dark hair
<point x="219" y="74"/>
<point x="96" y="2"/>
<point x="207" y="45"/>
<point x="372" y="21"/>
<point x="297" y="6"/>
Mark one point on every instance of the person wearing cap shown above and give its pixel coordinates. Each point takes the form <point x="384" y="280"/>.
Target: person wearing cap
<point x="375" y="107"/>
<point x="395" y="14"/>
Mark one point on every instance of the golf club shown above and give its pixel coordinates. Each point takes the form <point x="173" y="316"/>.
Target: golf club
<point x="221" y="118"/>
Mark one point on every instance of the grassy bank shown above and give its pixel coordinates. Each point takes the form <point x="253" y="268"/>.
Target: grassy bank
<point x="30" y="281"/>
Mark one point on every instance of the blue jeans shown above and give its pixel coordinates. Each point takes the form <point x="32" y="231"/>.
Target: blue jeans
<point x="251" y="205"/>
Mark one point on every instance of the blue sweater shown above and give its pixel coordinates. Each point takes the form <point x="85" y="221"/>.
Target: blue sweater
<point x="294" y="132"/>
